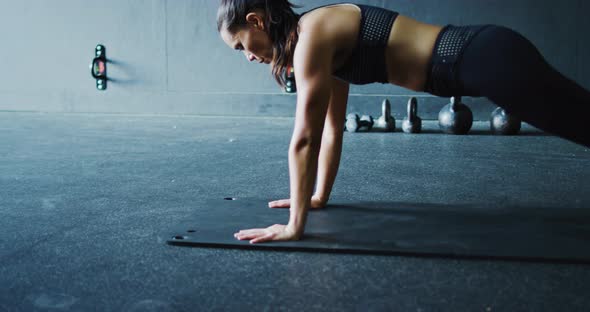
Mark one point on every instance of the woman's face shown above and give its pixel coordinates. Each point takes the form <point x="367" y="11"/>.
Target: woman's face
<point x="251" y="39"/>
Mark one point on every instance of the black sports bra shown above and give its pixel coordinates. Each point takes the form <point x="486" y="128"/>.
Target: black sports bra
<point x="367" y="64"/>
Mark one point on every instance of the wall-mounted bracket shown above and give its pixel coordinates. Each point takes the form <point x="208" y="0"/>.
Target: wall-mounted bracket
<point x="98" y="67"/>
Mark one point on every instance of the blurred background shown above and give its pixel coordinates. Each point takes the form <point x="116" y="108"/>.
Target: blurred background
<point x="166" y="57"/>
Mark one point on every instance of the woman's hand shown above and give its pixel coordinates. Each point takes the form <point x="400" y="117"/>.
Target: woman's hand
<point x="277" y="232"/>
<point x="316" y="203"/>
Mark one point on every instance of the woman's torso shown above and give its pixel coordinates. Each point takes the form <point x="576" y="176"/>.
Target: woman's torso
<point x="408" y="51"/>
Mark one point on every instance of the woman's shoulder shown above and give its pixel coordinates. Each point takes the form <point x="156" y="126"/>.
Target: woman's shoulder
<point x="328" y="33"/>
<point x="331" y="10"/>
<point x="331" y="22"/>
<point x="328" y="6"/>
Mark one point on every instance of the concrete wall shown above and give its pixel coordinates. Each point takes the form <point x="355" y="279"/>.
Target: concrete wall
<point x="167" y="58"/>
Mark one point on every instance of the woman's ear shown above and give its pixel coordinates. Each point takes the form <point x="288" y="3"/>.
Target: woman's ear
<point x="255" y="20"/>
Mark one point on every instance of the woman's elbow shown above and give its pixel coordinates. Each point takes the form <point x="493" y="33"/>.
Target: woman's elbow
<point x="305" y="142"/>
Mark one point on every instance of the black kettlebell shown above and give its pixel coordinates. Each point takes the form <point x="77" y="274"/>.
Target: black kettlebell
<point x="455" y="117"/>
<point x="412" y="123"/>
<point x="354" y="123"/>
<point x="504" y="123"/>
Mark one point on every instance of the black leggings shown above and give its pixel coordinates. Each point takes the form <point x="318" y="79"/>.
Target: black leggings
<point x="498" y="63"/>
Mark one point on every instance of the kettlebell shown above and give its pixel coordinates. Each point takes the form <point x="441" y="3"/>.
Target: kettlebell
<point x="504" y="123"/>
<point x="385" y="122"/>
<point x="455" y="117"/>
<point x="412" y="123"/>
<point x="354" y="123"/>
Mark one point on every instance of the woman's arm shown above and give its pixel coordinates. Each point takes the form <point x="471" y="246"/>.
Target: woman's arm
<point x="331" y="148"/>
<point x="312" y="62"/>
<point x="313" y="72"/>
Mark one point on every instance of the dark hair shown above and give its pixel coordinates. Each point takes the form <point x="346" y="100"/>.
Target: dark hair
<point x="280" y="24"/>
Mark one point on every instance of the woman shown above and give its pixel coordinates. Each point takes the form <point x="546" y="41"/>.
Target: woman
<point x="332" y="46"/>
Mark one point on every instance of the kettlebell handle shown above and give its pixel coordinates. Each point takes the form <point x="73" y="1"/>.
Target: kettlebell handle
<point x="455" y="102"/>
<point x="412" y="109"/>
<point x="386" y="109"/>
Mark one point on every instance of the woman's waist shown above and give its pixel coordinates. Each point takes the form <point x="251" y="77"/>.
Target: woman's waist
<point x="409" y="53"/>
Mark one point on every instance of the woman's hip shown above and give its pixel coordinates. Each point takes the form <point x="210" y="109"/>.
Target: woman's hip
<point x="465" y="58"/>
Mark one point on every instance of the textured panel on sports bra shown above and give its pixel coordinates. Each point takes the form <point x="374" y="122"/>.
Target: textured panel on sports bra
<point x="367" y="61"/>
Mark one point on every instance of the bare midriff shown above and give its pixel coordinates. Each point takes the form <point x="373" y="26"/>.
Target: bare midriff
<point x="409" y="51"/>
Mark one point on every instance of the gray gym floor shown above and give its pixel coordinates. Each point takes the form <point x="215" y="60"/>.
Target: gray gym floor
<point x="86" y="198"/>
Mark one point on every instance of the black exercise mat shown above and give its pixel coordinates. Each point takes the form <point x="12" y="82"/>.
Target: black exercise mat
<point x="525" y="233"/>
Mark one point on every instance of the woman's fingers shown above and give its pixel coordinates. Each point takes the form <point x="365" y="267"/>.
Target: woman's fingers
<point x="316" y="203"/>
<point x="283" y="203"/>
<point x="263" y="238"/>
<point x="274" y="232"/>
<point x="286" y="203"/>
<point x="249" y="234"/>
<point x="280" y="203"/>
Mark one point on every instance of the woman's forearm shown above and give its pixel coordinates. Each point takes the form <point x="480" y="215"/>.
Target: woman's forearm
<point x="303" y="164"/>
<point x="328" y="163"/>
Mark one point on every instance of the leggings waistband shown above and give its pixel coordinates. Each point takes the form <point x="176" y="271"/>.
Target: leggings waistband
<point x="442" y="77"/>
